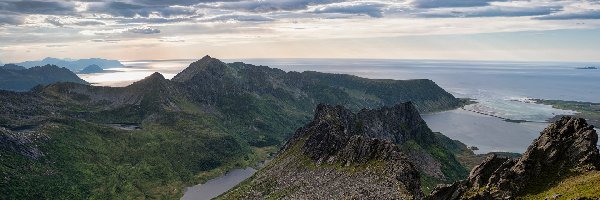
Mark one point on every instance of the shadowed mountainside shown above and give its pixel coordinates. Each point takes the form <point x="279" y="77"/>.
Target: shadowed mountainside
<point x="16" y="78"/>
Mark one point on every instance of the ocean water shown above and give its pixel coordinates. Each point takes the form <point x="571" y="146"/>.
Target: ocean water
<point x="501" y="89"/>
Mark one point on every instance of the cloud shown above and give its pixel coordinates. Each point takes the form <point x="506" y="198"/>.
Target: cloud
<point x="491" y="11"/>
<point x="370" y="9"/>
<point x="11" y="20"/>
<point x="121" y="9"/>
<point x="136" y="30"/>
<point x="244" y="18"/>
<point x="38" y="7"/>
<point x="143" y="30"/>
<point x="106" y="40"/>
<point x="264" y="6"/>
<point x="589" y="14"/>
<point x="451" y="3"/>
<point x="62" y="22"/>
<point x="171" y="39"/>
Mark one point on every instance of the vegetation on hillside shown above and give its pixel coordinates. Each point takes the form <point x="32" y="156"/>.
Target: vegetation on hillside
<point x="214" y="117"/>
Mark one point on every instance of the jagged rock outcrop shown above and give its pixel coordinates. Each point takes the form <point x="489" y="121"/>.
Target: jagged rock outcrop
<point x="340" y="155"/>
<point x="21" y="142"/>
<point x="400" y="124"/>
<point x="565" y="147"/>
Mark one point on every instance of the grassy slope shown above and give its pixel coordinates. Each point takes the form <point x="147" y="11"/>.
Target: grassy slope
<point x="586" y="185"/>
<point x="178" y="149"/>
<point x="85" y="160"/>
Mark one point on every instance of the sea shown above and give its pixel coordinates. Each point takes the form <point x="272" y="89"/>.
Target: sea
<point x="502" y="90"/>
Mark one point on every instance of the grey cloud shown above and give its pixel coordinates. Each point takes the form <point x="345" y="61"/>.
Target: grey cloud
<point x="592" y="14"/>
<point x="122" y="9"/>
<point x="38" y="7"/>
<point x="269" y="5"/>
<point x="452" y="3"/>
<point x="106" y="40"/>
<point x="493" y="12"/>
<point x="143" y="30"/>
<point x="177" y="2"/>
<point x="11" y="20"/>
<point x="58" y="22"/>
<point x="246" y="18"/>
<point x="370" y="9"/>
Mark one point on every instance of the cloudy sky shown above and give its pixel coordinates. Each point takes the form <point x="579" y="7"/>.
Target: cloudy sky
<point x="561" y="30"/>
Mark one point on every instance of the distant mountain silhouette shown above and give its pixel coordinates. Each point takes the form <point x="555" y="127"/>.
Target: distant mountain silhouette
<point x="20" y="79"/>
<point x="73" y="65"/>
<point x="91" y="69"/>
<point x="12" y="67"/>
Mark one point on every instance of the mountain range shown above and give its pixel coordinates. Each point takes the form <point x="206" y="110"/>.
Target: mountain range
<point x="73" y="65"/>
<point x="71" y="140"/>
<point x="153" y="138"/>
<point x="18" y="78"/>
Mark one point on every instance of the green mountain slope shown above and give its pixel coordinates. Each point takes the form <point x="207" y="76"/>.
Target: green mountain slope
<point x="152" y="138"/>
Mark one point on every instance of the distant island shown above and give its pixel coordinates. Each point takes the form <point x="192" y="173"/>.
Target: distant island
<point x="71" y="64"/>
<point x="591" y="67"/>
<point x="91" y="70"/>
<point x="18" y="78"/>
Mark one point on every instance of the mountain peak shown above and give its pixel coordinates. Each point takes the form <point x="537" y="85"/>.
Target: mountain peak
<point x="206" y="57"/>
<point x="156" y="75"/>
<point x="215" y="66"/>
<point x="151" y="82"/>
<point x="334" y="147"/>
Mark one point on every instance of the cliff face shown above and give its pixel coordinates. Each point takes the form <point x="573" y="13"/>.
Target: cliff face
<point x="565" y="148"/>
<point x="340" y="155"/>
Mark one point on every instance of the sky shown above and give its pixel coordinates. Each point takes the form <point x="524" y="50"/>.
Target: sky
<point x="524" y="30"/>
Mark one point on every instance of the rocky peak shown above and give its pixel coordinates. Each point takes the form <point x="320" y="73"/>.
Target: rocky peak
<point x="564" y="147"/>
<point x="336" y="138"/>
<point x="333" y="126"/>
<point x="207" y="63"/>
<point x="155" y="79"/>
<point x="567" y="143"/>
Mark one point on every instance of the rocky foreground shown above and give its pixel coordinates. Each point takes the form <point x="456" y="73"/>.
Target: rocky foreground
<point x="341" y="155"/>
<point x="566" y="148"/>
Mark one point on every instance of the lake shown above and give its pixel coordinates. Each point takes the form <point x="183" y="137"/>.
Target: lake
<point x="217" y="186"/>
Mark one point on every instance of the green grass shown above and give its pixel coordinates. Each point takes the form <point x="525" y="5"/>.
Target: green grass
<point x="587" y="110"/>
<point x="585" y="185"/>
<point x="84" y="160"/>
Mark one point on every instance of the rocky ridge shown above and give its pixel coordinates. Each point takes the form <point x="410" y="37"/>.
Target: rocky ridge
<point x="566" y="147"/>
<point x="335" y="156"/>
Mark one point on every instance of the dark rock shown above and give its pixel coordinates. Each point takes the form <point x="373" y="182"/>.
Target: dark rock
<point x="355" y="153"/>
<point x="566" y="145"/>
<point x="21" y="142"/>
